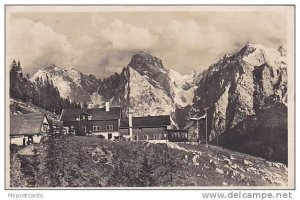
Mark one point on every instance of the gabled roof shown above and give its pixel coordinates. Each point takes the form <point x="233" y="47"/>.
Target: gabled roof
<point x="26" y="124"/>
<point x="85" y="113"/>
<point x="68" y="115"/>
<point x="149" y="121"/>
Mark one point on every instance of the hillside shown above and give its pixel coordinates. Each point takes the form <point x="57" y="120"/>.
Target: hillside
<point x="93" y="162"/>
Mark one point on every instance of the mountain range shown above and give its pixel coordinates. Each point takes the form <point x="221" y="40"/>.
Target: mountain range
<point x="144" y="87"/>
<point x="239" y="90"/>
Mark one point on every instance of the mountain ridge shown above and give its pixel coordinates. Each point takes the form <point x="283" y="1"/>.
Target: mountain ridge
<point x="165" y="83"/>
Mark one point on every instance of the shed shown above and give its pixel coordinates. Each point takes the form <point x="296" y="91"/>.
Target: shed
<point x="28" y="128"/>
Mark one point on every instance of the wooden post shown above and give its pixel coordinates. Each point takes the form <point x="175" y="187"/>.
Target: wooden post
<point x="206" y="125"/>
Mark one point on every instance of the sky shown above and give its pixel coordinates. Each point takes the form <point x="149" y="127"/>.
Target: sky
<point x="102" y="40"/>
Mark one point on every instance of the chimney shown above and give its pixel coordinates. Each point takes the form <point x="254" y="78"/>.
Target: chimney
<point x="130" y="125"/>
<point x="107" y="106"/>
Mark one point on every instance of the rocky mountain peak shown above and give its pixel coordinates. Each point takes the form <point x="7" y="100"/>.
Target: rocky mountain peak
<point x="145" y="59"/>
<point x="251" y="48"/>
<point x="247" y="49"/>
<point x="258" y="54"/>
<point x="144" y="53"/>
<point x="261" y="49"/>
<point x="152" y="69"/>
<point x="52" y="67"/>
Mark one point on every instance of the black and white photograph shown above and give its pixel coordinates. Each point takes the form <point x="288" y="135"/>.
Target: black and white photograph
<point x="150" y="97"/>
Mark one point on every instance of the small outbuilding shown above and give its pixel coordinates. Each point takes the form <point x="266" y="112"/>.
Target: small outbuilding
<point x="26" y="129"/>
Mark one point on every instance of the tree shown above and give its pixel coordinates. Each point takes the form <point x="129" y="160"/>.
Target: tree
<point x="15" y="67"/>
<point x="19" y="66"/>
<point x="122" y="176"/>
<point x="146" y="174"/>
<point x="169" y="163"/>
<point x="15" y="81"/>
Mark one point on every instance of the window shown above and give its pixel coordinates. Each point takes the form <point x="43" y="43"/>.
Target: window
<point x="72" y="130"/>
<point x="183" y="135"/>
<point x="96" y="128"/>
<point x="109" y="127"/>
<point x="89" y="117"/>
<point x="157" y="137"/>
<point x="45" y="128"/>
<point x="30" y="140"/>
<point x="175" y="134"/>
<point x="145" y="137"/>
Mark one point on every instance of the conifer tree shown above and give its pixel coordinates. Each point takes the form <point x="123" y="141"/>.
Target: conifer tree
<point x="146" y="174"/>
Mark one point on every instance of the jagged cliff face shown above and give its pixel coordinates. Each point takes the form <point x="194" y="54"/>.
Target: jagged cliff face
<point x="240" y="85"/>
<point x="153" y="89"/>
<point x="179" y="89"/>
<point x="143" y="98"/>
<point x="152" y="69"/>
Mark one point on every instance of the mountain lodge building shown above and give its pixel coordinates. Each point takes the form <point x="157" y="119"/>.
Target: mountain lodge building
<point x="108" y="123"/>
<point x="95" y="121"/>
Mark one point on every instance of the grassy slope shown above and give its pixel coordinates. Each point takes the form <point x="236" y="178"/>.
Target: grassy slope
<point x="92" y="162"/>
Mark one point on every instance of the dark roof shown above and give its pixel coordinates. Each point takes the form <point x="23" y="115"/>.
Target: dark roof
<point x="96" y="114"/>
<point x="149" y="121"/>
<point x="26" y="124"/>
<point x="177" y="130"/>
